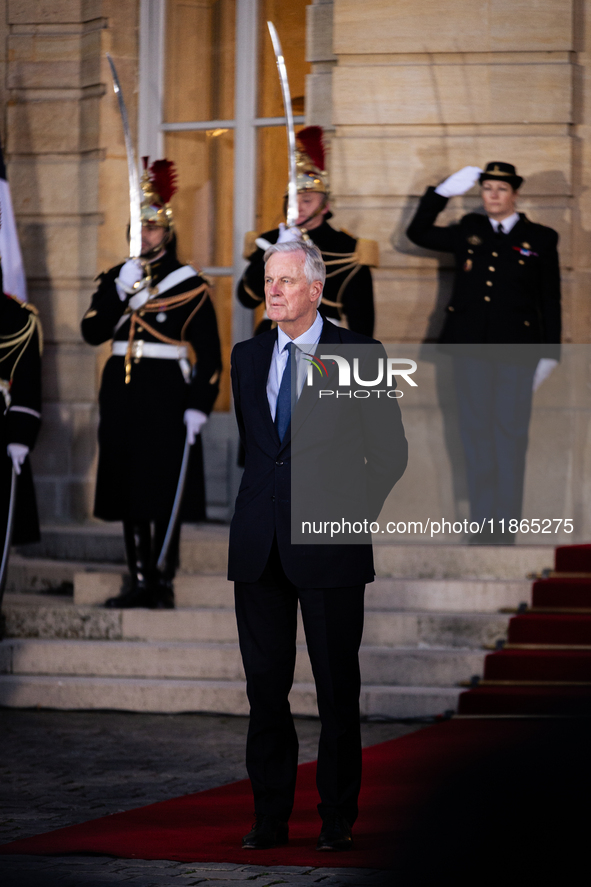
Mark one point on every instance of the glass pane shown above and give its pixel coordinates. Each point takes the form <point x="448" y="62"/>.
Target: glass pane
<point x="272" y="175"/>
<point x="290" y="21"/>
<point x="222" y="296"/>
<point x="203" y="209"/>
<point x="199" y="60"/>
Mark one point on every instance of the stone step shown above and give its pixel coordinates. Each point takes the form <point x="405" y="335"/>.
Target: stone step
<point x="481" y="596"/>
<point x="461" y="561"/>
<point x="393" y="666"/>
<point x="35" y="616"/>
<point x="224" y="697"/>
<point x="204" y="550"/>
<point x="32" y="575"/>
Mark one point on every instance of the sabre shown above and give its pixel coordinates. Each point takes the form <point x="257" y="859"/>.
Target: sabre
<point x="176" y="506"/>
<point x="292" y="188"/>
<point x="135" y="222"/>
<point x="9" y="529"/>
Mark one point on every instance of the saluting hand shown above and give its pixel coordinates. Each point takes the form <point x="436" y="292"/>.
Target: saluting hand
<point x="459" y="182"/>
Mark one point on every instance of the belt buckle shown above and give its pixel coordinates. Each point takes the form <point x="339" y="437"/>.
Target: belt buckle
<point x="137" y="350"/>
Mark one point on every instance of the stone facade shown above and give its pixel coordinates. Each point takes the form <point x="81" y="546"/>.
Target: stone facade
<point x="420" y="90"/>
<point x="409" y="92"/>
<point x="68" y="175"/>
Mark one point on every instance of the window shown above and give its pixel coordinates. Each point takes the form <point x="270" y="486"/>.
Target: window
<point x="210" y="100"/>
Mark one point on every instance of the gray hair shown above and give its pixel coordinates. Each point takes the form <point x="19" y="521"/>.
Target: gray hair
<point x="314" y="267"/>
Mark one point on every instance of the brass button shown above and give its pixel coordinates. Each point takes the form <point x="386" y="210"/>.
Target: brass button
<point x="521" y="262"/>
<point x="526" y="322"/>
<point x="489" y="282"/>
<point x="495" y="255"/>
<point x="491" y="267"/>
<point x="487" y="298"/>
<point x="471" y="252"/>
<point x="450" y="307"/>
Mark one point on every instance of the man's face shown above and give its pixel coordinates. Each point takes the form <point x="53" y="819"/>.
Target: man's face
<point x="290" y="299"/>
<point x="498" y="199"/>
<point x="152" y="237"/>
<point x="308" y="203"/>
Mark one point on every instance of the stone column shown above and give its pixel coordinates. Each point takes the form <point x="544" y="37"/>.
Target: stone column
<point x="68" y="176"/>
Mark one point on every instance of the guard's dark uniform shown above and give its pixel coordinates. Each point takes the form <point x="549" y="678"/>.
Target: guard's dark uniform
<point x="507" y="287"/>
<point x="506" y="293"/>
<point x="141" y="431"/>
<point x="20" y="410"/>
<point x="348" y="291"/>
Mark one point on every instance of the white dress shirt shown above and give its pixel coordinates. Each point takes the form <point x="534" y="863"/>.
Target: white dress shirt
<point x="507" y="223"/>
<point x="306" y="344"/>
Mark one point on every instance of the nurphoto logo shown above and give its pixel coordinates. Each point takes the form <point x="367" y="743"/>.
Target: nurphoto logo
<point x="387" y="370"/>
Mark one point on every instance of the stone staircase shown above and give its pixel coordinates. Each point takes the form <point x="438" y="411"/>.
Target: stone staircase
<point x="429" y="615"/>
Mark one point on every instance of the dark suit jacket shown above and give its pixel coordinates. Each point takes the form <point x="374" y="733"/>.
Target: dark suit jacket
<point x="506" y="288"/>
<point x="263" y="506"/>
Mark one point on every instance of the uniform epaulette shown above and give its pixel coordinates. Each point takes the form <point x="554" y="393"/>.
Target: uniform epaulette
<point x="17" y="300"/>
<point x="31" y="308"/>
<point x="368" y="252"/>
<point x="250" y="245"/>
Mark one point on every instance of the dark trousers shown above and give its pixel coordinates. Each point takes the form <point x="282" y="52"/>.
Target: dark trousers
<point x="266" y="613"/>
<point x="494" y="408"/>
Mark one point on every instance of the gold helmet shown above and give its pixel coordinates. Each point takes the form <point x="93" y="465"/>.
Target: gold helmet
<point x="158" y="184"/>
<point x="311" y="174"/>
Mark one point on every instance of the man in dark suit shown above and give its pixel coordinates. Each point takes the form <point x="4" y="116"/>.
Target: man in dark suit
<point x="506" y="295"/>
<point x="271" y="575"/>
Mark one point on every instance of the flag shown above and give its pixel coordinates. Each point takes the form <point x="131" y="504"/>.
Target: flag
<point x="13" y="273"/>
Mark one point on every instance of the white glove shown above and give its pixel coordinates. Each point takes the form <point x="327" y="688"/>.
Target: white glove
<point x="131" y="272"/>
<point x="194" y="420"/>
<point x="459" y="182"/>
<point x="543" y="370"/>
<point x="286" y="235"/>
<point x="18" y="453"/>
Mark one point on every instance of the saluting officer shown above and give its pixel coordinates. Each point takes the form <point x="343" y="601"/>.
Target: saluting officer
<point x="348" y="293"/>
<point x="158" y="386"/>
<point x="506" y="292"/>
<point x="20" y="385"/>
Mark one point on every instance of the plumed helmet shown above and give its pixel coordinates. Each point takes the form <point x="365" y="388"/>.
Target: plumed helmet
<point x="158" y="184"/>
<point x="311" y="172"/>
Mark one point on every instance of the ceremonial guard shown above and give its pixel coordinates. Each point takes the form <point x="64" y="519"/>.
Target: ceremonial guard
<point x="21" y="343"/>
<point x="20" y="418"/>
<point x="158" y="388"/>
<point x="507" y="294"/>
<point x="348" y="294"/>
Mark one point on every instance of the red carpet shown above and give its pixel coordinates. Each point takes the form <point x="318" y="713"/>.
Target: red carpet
<point x="555" y="628"/>
<point x="573" y="559"/>
<point x="398" y="778"/>
<point x="573" y="666"/>
<point x="562" y="593"/>
<point x="543" y="669"/>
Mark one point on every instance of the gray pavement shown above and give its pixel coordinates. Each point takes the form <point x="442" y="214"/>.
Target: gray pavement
<point x="61" y="768"/>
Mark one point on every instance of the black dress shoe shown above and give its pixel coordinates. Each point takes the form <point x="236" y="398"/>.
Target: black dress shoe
<point x="134" y="597"/>
<point x="268" y="831"/>
<point x="164" y="595"/>
<point x="335" y="834"/>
